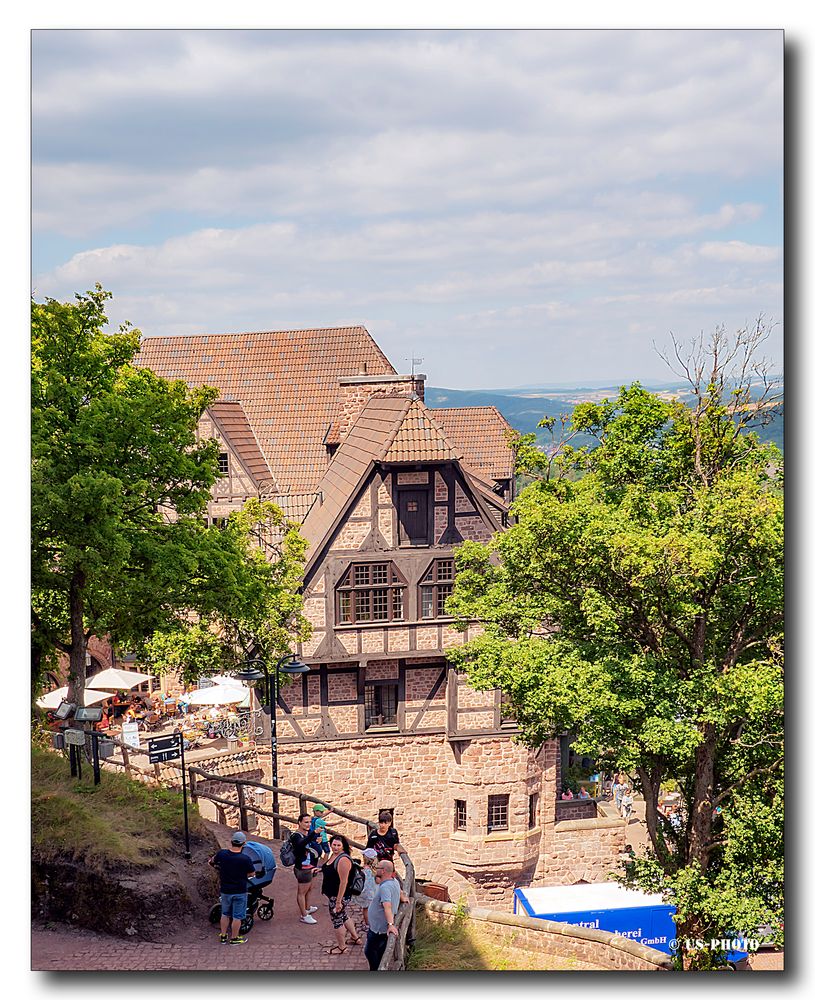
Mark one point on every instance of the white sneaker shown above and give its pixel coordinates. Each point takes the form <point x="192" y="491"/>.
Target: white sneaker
<point x="312" y="909"/>
<point x="307" y="919"/>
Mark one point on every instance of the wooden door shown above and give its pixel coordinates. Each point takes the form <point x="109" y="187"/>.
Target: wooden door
<point x="413" y="524"/>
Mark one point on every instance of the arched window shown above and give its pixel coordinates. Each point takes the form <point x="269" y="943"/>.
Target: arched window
<point x="370" y="592"/>
<point x="435" y="587"/>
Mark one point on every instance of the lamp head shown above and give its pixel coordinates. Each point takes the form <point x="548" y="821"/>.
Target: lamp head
<point x="294" y="666"/>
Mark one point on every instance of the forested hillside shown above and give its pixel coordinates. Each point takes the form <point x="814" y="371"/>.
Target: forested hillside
<point x="525" y="407"/>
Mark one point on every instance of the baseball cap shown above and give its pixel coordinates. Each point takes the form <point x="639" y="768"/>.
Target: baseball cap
<point x="369" y="853"/>
<point x="319" y="809"/>
<point x="238" y="837"/>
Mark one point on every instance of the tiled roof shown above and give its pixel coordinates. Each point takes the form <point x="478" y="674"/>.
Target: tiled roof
<point x="480" y="434"/>
<point x="390" y="429"/>
<point x="231" y="419"/>
<point x="286" y="381"/>
<point x="419" y="438"/>
<point x="367" y="441"/>
<point x="295" y="505"/>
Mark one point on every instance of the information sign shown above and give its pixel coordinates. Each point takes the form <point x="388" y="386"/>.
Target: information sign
<point x="163" y="748"/>
<point x="130" y="735"/>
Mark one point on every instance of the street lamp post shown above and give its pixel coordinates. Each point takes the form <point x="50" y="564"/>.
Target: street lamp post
<point x="288" y="665"/>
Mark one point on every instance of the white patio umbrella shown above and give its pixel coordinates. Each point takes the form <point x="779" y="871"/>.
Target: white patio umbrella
<point x="114" y="679"/>
<point x="219" y="694"/>
<point x="225" y="679"/>
<point x="54" y="698"/>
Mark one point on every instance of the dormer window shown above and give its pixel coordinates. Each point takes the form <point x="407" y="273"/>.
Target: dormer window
<point x="370" y="592"/>
<point x="435" y="587"/>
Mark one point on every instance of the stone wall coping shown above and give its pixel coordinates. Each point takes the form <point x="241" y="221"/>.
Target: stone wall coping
<point x="639" y="951"/>
<point x="588" y="824"/>
<point x="372" y="379"/>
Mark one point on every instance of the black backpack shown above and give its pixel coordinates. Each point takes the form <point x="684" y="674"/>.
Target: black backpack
<point x="356" y="879"/>
<point x="287" y="855"/>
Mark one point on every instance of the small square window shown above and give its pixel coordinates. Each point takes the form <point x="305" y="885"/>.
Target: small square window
<point x="460" y="815"/>
<point x="497" y="813"/>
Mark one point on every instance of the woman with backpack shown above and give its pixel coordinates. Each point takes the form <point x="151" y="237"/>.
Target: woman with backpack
<point x="337" y="879"/>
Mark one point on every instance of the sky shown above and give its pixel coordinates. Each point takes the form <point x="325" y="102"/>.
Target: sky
<point x="512" y="207"/>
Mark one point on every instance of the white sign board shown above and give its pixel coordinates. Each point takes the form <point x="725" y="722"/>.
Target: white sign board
<point x="130" y="735"/>
<point x="75" y="737"/>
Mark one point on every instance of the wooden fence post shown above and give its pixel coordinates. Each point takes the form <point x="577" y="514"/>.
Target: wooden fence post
<point x="244" y="821"/>
<point x="126" y="760"/>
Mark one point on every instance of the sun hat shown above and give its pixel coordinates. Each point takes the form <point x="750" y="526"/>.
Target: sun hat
<point x="369" y="853"/>
<point x="238" y="837"/>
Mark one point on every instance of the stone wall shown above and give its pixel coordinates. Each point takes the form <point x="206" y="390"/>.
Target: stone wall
<point x="420" y="777"/>
<point x="547" y="937"/>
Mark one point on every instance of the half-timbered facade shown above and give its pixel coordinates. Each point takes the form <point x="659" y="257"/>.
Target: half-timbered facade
<point x="386" y="490"/>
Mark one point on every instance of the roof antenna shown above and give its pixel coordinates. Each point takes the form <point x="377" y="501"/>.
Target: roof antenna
<point x="413" y="362"/>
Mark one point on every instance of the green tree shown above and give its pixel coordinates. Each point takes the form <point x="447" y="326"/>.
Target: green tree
<point x="119" y="484"/>
<point x="248" y="605"/>
<point x="637" y="603"/>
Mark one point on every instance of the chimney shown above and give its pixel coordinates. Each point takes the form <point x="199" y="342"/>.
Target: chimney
<point x="356" y="390"/>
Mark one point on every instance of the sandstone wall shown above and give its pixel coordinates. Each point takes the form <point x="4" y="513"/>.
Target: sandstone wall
<point x="600" y="949"/>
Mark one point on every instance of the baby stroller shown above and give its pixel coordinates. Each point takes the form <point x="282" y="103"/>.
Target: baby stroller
<point x="257" y="904"/>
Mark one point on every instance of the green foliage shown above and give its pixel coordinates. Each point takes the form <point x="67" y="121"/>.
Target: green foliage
<point x="247" y="595"/>
<point x="638" y="605"/>
<point x="119" y="484"/>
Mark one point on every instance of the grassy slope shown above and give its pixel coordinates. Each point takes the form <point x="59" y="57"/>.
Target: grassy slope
<point x="118" y="821"/>
<point x="461" y="946"/>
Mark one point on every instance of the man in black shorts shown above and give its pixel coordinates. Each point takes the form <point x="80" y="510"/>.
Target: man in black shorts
<point x="234" y="868"/>
<point x="304" y="868"/>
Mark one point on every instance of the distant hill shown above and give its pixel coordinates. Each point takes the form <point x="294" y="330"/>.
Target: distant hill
<point x="525" y="406"/>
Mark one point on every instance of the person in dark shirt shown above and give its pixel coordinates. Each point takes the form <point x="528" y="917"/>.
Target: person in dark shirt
<point x="304" y="867"/>
<point x="385" y="839"/>
<point x="234" y="869"/>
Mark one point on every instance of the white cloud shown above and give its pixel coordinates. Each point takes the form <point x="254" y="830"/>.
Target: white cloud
<point x="440" y="185"/>
<point x="738" y="252"/>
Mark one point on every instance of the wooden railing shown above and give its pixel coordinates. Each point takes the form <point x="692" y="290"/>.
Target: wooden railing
<point x="245" y="807"/>
<point x="396" y="950"/>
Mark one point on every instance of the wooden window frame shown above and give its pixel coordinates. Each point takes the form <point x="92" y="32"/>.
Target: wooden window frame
<point x="221" y="470"/>
<point x="348" y="589"/>
<point x="430" y="581"/>
<point x="373" y="686"/>
<point x="460" y="815"/>
<point x="534" y="804"/>
<point x="498" y="813"/>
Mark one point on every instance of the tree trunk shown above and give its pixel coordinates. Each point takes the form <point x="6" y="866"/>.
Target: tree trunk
<point x="76" y="669"/>
<point x="701" y="828"/>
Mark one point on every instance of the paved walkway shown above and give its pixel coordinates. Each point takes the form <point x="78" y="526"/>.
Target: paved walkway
<point x="277" y="944"/>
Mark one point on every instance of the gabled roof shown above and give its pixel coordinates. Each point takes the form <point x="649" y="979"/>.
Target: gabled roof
<point x="390" y="430"/>
<point x="232" y="422"/>
<point x="287" y="382"/>
<point x="367" y="441"/>
<point x="419" y="438"/>
<point x="480" y="433"/>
